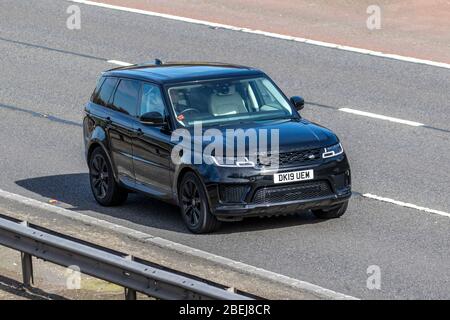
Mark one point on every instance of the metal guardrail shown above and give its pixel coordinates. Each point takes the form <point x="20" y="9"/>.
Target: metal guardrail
<point x="105" y="264"/>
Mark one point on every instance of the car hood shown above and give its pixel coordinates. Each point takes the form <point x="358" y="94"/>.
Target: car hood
<point x="295" y="134"/>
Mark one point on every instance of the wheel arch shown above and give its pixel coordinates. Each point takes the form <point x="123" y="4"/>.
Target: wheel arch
<point x="99" y="144"/>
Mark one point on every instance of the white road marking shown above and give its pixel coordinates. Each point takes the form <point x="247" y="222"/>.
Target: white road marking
<point x="379" y="116"/>
<point x="268" y="34"/>
<point x="348" y="110"/>
<point x="120" y="63"/>
<point x="406" y="205"/>
<point x="273" y="35"/>
<point x="170" y="245"/>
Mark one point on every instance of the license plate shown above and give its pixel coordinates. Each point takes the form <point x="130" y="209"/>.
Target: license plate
<point x="293" y="176"/>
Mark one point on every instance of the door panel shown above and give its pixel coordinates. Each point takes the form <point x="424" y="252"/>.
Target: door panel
<point x="120" y="132"/>
<point x="121" y="128"/>
<point x="152" y="162"/>
<point x="152" y="146"/>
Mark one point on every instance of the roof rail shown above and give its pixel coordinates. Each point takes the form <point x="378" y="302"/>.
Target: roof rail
<point x="157" y="62"/>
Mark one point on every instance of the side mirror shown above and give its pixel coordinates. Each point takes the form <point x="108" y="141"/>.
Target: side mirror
<point x="298" y="102"/>
<point x="152" y="118"/>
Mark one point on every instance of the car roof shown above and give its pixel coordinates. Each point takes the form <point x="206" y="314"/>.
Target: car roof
<point x="182" y="71"/>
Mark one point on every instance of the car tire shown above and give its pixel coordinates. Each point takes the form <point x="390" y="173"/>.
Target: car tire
<point x="194" y="205"/>
<point x="107" y="192"/>
<point x="331" y="213"/>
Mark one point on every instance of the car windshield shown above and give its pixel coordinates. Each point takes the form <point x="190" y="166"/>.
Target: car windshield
<point x="228" y="100"/>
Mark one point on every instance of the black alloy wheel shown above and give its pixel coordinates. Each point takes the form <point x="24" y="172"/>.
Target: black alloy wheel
<point x="194" y="205"/>
<point x="99" y="176"/>
<point x="104" y="187"/>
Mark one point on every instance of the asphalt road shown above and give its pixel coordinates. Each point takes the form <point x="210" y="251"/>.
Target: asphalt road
<point x="48" y="72"/>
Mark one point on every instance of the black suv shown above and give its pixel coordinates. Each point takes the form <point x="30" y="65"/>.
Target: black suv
<point x="132" y="128"/>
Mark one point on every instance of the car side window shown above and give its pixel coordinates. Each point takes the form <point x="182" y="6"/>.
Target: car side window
<point x="96" y="92"/>
<point x="151" y="100"/>
<point x="103" y="95"/>
<point x="126" y="97"/>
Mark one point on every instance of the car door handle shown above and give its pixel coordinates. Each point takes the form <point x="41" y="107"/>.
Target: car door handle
<point x="139" y="132"/>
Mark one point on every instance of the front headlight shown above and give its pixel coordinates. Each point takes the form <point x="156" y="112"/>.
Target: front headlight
<point x="232" y="162"/>
<point x="333" y="151"/>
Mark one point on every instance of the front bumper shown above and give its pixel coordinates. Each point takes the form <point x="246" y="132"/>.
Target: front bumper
<point x="331" y="183"/>
<point x="230" y="212"/>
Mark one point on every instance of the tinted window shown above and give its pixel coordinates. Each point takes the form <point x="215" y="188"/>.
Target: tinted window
<point x="106" y="90"/>
<point x="126" y="96"/>
<point x="151" y="100"/>
<point x="94" y="95"/>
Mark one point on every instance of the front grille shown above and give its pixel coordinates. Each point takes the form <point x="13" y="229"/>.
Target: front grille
<point x="295" y="158"/>
<point x="233" y="193"/>
<point x="303" y="191"/>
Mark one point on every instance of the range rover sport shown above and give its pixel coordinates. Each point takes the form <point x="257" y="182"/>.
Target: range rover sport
<point x="128" y="133"/>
